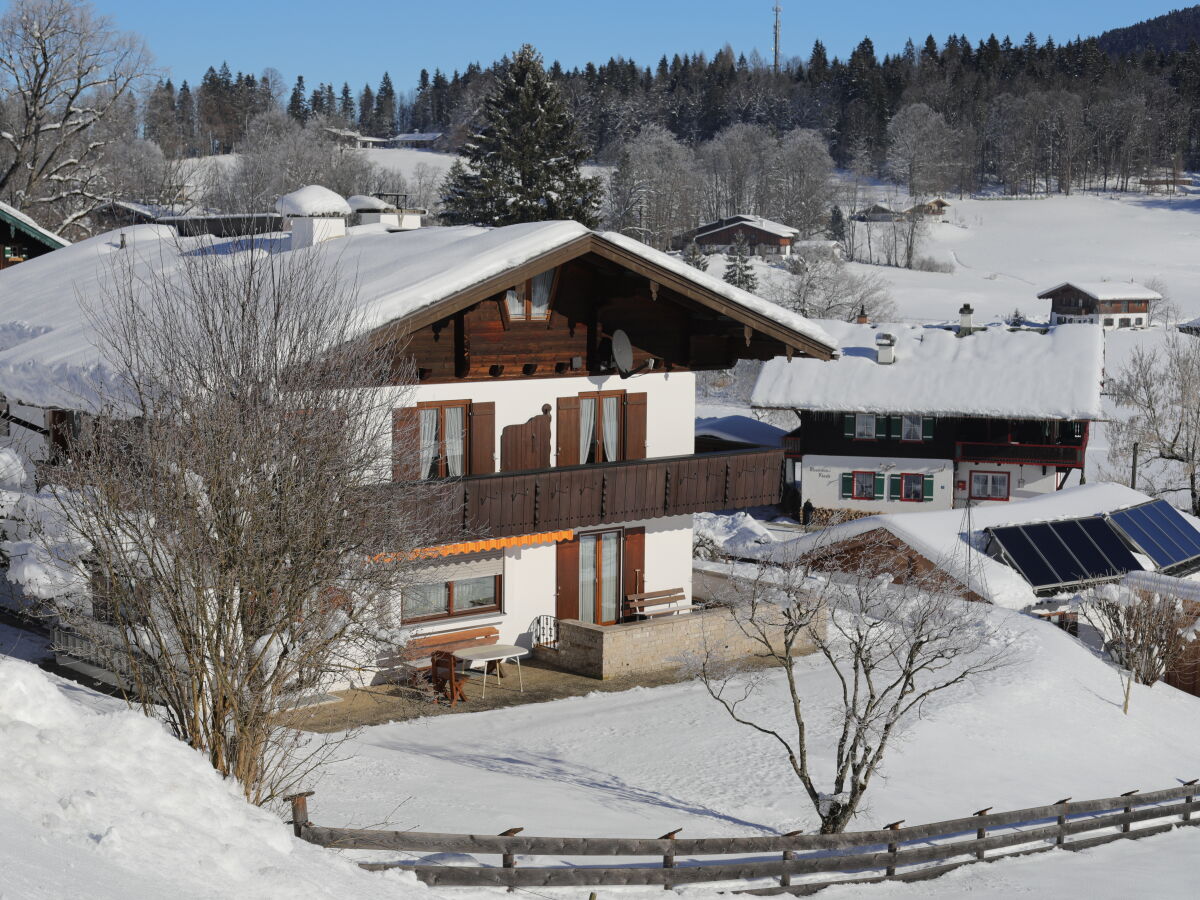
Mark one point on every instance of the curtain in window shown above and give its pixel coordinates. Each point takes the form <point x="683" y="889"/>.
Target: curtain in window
<point x="609" y="575"/>
<point x="587" y="578"/>
<point x="609" y="424"/>
<point x="429" y="443"/>
<point x="421" y="600"/>
<point x="516" y="304"/>
<point x="587" y="430"/>
<point x="539" y="300"/>
<point x="473" y="593"/>
<point x="456" y="420"/>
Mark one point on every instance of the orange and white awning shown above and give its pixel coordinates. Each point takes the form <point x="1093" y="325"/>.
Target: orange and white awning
<point x="481" y="546"/>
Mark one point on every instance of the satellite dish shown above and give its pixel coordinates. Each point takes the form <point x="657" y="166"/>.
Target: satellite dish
<point x="622" y="352"/>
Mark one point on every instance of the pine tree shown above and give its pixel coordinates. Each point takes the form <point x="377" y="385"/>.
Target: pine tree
<point x="524" y="164"/>
<point x="366" y="109"/>
<point x="837" y="225"/>
<point x="346" y="109"/>
<point x="185" y="116"/>
<point x="738" y="270"/>
<point x="383" y="118"/>
<point x="297" y="106"/>
<point x="694" y="257"/>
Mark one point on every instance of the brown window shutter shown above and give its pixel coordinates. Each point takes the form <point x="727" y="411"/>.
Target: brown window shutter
<point x="406" y="436"/>
<point x="482" y="432"/>
<point x="568" y="431"/>
<point x="635" y="426"/>
<point x="635" y="560"/>
<point x="566" y="603"/>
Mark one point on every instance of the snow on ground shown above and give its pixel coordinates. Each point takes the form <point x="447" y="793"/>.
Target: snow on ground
<point x="99" y="801"/>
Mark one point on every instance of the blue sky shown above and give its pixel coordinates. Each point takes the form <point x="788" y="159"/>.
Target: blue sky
<point x="356" y="40"/>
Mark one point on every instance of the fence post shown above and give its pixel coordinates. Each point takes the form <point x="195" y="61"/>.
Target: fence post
<point x="1062" y="821"/>
<point x="981" y="832"/>
<point x="669" y="857"/>
<point x="1128" y="809"/>
<point x="299" y="811"/>
<point x="785" y="880"/>
<point x="1189" y="800"/>
<point x="508" y="860"/>
<point x="891" y="868"/>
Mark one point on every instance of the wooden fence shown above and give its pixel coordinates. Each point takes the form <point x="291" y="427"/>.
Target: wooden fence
<point x="951" y="843"/>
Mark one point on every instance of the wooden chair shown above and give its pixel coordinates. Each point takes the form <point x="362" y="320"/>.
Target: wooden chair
<point x="642" y="605"/>
<point x="420" y="656"/>
<point x="446" y="680"/>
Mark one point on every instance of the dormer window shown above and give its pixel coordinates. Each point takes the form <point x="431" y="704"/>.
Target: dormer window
<point x="529" y="301"/>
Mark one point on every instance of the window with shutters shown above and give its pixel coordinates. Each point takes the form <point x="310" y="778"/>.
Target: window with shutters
<point x="864" y="427"/>
<point x="912" y="487"/>
<point x="911" y="428"/>
<point x="989" y="485"/>
<point x="530" y="301"/>
<point x="442" y="438"/>
<point x="864" y="486"/>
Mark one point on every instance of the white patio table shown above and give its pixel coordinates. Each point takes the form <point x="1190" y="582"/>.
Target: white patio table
<point x="496" y="653"/>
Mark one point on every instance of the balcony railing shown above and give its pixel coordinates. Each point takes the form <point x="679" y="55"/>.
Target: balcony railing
<point x="512" y="503"/>
<point x="1067" y="455"/>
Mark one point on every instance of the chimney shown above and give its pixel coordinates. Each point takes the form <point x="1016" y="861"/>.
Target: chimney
<point x="861" y="318"/>
<point x="966" y="320"/>
<point x="885" y="348"/>
<point x="316" y="214"/>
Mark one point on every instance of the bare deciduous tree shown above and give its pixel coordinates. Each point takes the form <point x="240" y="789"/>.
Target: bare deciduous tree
<point x="232" y="547"/>
<point x="889" y="646"/>
<point x="822" y="286"/>
<point x="63" y="70"/>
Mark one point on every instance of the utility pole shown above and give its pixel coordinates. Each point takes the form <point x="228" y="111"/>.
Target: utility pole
<point x="778" y="10"/>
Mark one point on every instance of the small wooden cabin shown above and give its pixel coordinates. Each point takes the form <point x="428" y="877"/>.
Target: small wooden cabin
<point x="21" y="238"/>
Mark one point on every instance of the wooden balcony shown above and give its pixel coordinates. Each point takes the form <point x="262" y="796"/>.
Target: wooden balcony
<point x="1064" y="455"/>
<point x="513" y="503"/>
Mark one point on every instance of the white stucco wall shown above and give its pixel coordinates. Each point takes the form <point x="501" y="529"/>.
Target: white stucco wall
<point x="530" y="578"/>
<point x="1023" y="481"/>
<point x="821" y="482"/>
<point x="670" y="404"/>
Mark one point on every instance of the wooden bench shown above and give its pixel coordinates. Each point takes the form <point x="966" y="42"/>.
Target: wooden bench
<point x="642" y="605"/>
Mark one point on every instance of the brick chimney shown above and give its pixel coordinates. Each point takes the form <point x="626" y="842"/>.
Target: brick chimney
<point x="861" y="318"/>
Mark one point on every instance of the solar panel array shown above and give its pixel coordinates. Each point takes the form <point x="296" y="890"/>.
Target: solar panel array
<point x="1074" y="551"/>
<point x="1158" y="530"/>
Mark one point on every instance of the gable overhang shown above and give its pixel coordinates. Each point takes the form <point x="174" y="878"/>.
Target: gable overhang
<point x="42" y="236"/>
<point x="594" y="243"/>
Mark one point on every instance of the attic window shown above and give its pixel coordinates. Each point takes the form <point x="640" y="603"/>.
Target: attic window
<point x="529" y="301"/>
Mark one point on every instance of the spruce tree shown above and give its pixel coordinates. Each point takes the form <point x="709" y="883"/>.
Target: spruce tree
<point x="297" y="106"/>
<point x="738" y="270"/>
<point x="366" y="109"/>
<point x="837" y="225"/>
<point x="524" y="164"/>
<point x="383" y="119"/>
<point x="694" y="257"/>
<point x="346" y="109"/>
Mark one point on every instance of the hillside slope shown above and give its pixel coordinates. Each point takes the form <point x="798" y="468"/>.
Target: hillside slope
<point x="1170" y="31"/>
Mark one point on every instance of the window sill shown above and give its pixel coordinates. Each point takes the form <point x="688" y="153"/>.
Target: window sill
<point x="462" y="618"/>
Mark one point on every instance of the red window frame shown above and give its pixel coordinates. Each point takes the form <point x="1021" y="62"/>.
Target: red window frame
<point x="971" y="484"/>
<point x="854" y="495"/>
<point x="921" y="483"/>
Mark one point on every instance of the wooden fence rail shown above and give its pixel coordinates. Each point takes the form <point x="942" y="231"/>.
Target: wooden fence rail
<point x="853" y="853"/>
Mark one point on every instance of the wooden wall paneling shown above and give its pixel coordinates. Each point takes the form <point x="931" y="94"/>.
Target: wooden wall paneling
<point x="481" y="432"/>
<point x="406" y="457"/>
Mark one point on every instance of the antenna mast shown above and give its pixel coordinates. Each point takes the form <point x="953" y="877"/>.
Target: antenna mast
<point x="778" y="10"/>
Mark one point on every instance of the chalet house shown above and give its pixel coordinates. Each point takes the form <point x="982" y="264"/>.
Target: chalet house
<point x="877" y="212"/>
<point x="416" y="140"/>
<point x="765" y="237"/>
<point x="556" y="398"/>
<point x="21" y="238"/>
<point x="347" y="137"/>
<point x="1110" y="304"/>
<point x="936" y="417"/>
<point x="934" y="209"/>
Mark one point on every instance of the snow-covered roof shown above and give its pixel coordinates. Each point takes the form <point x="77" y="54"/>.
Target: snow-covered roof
<point x="992" y="372"/>
<point x="396" y="275"/>
<point x="741" y="429"/>
<point x="33" y="229"/>
<point x="767" y="225"/>
<point x="367" y="203"/>
<point x="312" y="200"/>
<point x="942" y="536"/>
<point x="417" y="136"/>
<point x="1168" y="585"/>
<point x="1107" y="290"/>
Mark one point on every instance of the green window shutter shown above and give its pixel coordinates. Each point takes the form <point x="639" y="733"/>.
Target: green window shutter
<point x="893" y="487"/>
<point x="927" y="428"/>
<point x="928" y="488"/>
<point x="847" y="484"/>
<point x="897" y="422"/>
<point x="848" y="425"/>
<point x="881" y="425"/>
<point x="879" y="486"/>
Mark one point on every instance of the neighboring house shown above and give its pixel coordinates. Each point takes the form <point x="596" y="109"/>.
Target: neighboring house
<point x="1015" y="555"/>
<point x="934" y="209"/>
<point x="347" y="137"/>
<point x="556" y="396"/>
<point x="119" y="213"/>
<point x="21" y="238"/>
<point x="1192" y="327"/>
<point x="1110" y="304"/>
<point x="877" y="212"/>
<point x="764" y="237"/>
<point x="420" y="140"/>
<point x="937" y="417"/>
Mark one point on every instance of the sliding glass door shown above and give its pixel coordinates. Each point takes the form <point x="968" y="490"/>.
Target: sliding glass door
<point x="600" y="577"/>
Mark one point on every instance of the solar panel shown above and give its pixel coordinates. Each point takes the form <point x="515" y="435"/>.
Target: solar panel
<point x="1158" y="530"/>
<point x="1070" y="552"/>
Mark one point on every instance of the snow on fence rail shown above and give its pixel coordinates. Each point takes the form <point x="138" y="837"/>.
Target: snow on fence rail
<point x="851" y="853"/>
